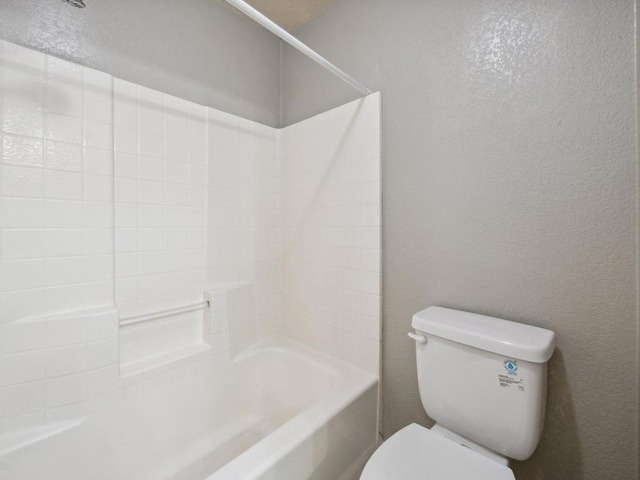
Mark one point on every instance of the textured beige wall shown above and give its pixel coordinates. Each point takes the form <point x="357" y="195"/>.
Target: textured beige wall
<point x="509" y="173"/>
<point x="200" y="50"/>
<point x="638" y="210"/>
<point x="290" y="14"/>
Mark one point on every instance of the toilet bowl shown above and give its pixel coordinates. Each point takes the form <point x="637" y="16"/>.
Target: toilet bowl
<point x="502" y="366"/>
<point x="419" y="453"/>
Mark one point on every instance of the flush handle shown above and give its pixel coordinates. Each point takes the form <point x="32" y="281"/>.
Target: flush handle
<point x="418" y="338"/>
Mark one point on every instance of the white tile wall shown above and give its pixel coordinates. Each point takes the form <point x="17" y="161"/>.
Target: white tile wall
<point x="333" y="231"/>
<point x="51" y="366"/>
<point x="160" y="214"/>
<point x="231" y="323"/>
<point x="160" y="200"/>
<point x="111" y="192"/>
<point x="56" y="215"/>
<point x="245" y="216"/>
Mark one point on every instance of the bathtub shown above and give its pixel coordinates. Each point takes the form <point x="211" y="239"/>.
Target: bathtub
<point x="278" y="411"/>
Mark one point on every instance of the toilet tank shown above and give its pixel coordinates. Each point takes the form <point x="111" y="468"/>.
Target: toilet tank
<point x="484" y="378"/>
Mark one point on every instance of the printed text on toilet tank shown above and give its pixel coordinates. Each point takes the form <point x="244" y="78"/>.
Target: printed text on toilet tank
<point x="509" y="382"/>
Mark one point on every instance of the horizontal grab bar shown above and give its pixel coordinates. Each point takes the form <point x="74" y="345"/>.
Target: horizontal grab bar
<point x="163" y="313"/>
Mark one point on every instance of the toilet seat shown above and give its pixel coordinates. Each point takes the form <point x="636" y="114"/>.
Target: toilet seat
<point x="417" y="453"/>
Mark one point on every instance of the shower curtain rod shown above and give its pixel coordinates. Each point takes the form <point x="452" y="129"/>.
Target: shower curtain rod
<point x="274" y="28"/>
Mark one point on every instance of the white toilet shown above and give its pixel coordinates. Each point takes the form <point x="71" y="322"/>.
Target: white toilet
<point x="484" y="381"/>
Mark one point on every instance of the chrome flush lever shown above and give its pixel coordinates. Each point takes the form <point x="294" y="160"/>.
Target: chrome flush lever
<point x="418" y="338"/>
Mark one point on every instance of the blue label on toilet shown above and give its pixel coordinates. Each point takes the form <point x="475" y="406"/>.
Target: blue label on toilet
<point x="511" y="366"/>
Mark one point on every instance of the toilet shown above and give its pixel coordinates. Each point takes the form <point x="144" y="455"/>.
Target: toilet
<point x="484" y="381"/>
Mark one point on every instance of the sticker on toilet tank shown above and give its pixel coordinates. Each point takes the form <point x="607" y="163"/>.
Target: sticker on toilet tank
<point x="511" y="366"/>
<point x="511" y="378"/>
<point x="507" y="381"/>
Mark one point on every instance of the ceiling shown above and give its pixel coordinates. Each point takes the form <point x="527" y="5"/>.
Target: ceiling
<point x="290" y="14"/>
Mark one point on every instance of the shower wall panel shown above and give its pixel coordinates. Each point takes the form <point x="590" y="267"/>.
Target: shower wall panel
<point x="332" y="199"/>
<point x="56" y="194"/>
<point x="56" y="238"/>
<point x="160" y="217"/>
<point x="245" y="224"/>
<point x="117" y="201"/>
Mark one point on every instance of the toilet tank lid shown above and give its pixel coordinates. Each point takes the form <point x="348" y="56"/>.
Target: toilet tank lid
<point x="511" y="339"/>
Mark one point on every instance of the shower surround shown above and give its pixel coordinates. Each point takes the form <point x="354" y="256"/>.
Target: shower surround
<point x="118" y="201"/>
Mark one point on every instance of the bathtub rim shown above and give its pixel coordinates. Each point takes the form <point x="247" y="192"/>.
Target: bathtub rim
<point x="352" y="383"/>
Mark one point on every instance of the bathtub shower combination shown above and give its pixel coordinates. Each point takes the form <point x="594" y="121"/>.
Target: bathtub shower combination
<point x="184" y="293"/>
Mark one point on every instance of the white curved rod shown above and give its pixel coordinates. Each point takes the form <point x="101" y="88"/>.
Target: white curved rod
<point x="274" y="28"/>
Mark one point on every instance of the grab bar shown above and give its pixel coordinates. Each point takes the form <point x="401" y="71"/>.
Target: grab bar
<point x="163" y="313"/>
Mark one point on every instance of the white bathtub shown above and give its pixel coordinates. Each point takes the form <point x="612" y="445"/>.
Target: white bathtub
<point x="280" y="411"/>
